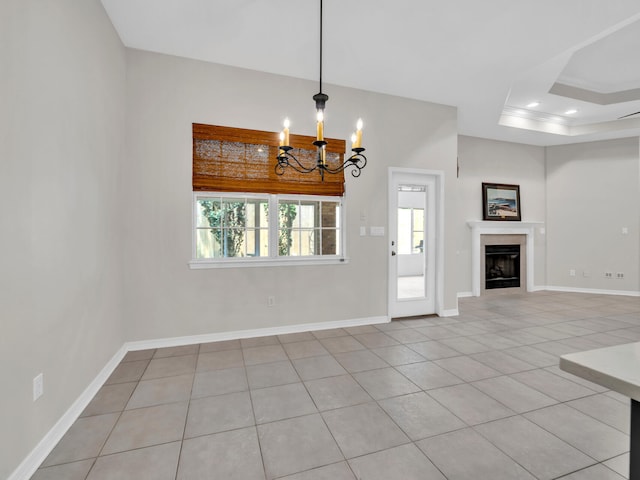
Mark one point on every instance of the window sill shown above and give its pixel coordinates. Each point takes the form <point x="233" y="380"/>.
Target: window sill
<point x="266" y="262"/>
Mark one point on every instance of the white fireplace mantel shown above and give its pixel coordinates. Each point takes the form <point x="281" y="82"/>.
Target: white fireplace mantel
<point x="479" y="228"/>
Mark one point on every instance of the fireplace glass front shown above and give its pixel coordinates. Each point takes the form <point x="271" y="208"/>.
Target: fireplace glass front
<point x="502" y="266"/>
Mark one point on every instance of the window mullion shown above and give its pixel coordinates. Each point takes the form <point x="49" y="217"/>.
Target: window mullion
<point x="273" y="226"/>
<point x="320" y="229"/>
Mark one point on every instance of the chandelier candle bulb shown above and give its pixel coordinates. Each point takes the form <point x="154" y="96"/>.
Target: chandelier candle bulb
<point x="320" y="129"/>
<point x="353" y="141"/>
<point x="286" y="131"/>
<point x="358" y="142"/>
<point x="281" y="139"/>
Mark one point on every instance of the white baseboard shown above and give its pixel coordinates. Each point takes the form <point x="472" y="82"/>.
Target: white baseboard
<point x="452" y="312"/>
<point x="552" y="288"/>
<point x="31" y="463"/>
<point x="258" y="332"/>
<point x="598" y="291"/>
<point x="538" y="288"/>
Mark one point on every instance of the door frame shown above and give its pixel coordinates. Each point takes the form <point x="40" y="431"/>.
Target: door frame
<point x="438" y="178"/>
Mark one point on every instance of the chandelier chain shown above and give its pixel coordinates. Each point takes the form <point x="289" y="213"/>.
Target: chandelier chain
<point x="320" y="46"/>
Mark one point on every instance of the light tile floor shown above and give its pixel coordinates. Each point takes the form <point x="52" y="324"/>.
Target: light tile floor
<point x="479" y="396"/>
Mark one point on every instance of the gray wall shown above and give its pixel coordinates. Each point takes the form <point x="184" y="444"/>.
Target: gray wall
<point x="493" y="161"/>
<point x="164" y="298"/>
<point x="61" y="127"/>
<point x="593" y="191"/>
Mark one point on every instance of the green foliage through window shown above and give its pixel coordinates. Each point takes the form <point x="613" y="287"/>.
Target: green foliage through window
<point x="228" y="220"/>
<point x="287" y="213"/>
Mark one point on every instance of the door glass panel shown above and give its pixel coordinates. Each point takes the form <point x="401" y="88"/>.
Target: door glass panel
<point x="404" y="231"/>
<point x="411" y="248"/>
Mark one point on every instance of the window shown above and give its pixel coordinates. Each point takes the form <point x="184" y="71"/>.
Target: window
<point x="245" y="215"/>
<point x="308" y="227"/>
<point x="228" y="227"/>
<point x="232" y="228"/>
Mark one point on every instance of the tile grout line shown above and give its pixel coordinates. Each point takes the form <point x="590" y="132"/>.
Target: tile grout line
<point x="253" y="414"/>
<point x="186" y="417"/>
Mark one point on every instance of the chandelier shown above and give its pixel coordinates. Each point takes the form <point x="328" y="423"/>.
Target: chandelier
<point x="286" y="158"/>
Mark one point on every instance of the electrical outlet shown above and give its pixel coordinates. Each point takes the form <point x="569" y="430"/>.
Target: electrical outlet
<point x="585" y="273"/>
<point x="620" y="275"/>
<point x="608" y="275"/>
<point x="38" y="386"/>
<point x="572" y="273"/>
<point x="271" y="301"/>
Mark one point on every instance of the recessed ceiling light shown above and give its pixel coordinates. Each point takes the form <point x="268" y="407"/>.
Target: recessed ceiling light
<point x="571" y="111"/>
<point x="533" y="104"/>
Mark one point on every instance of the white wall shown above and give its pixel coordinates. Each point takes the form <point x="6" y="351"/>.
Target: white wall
<point x="593" y="191"/>
<point x="62" y="87"/>
<point x="493" y="161"/>
<point x="165" y="95"/>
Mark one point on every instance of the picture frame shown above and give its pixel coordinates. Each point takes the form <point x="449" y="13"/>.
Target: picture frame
<point x="501" y="202"/>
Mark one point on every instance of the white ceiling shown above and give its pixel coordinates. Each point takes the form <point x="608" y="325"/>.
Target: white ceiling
<point x="489" y="58"/>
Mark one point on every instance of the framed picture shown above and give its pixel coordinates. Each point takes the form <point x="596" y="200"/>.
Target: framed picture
<point x="500" y="202"/>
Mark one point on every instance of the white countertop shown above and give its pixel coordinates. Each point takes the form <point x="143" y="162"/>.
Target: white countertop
<point x="616" y="368"/>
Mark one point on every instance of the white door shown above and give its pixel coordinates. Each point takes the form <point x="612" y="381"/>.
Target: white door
<point x="412" y="244"/>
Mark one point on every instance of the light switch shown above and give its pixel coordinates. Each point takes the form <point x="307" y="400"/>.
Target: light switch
<point x="377" y="231"/>
<point x="363" y="231"/>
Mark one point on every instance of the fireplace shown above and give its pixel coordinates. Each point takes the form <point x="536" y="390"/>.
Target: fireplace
<point x="485" y="233"/>
<point x="502" y="266"/>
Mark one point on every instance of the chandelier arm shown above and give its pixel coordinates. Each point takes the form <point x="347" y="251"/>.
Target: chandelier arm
<point x="339" y="168"/>
<point x="357" y="161"/>
<point x="362" y="162"/>
<point x="288" y="160"/>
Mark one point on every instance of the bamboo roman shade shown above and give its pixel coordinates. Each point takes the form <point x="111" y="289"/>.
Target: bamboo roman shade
<point x="227" y="159"/>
